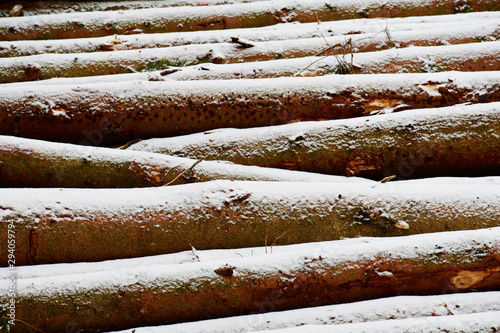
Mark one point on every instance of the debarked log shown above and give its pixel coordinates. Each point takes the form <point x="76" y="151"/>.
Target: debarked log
<point x="458" y="140"/>
<point x="314" y="275"/>
<point x="33" y="163"/>
<point x="114" y="113"/>
<point x="71" y="225"/>
<point x="257" y="14"/>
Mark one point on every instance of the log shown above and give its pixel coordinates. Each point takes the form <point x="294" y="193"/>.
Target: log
<point x="116" y="113"/>
<point x="393" y="309"/>
<point x="33" y="163"/>
<point x="263" y="13"/>
<point x="408" y="31"/>
<point x="474" y="322"/>
<point x="40" y="67"/>
<point x="409" y="144"/>
<point x="58" y="225"/>
<point x="300" y="276"/>
<point x="33" y="7"/>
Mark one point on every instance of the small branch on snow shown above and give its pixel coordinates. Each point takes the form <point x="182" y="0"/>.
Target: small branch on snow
<point x="194" y="252"/>
<point x="245" y="43"/>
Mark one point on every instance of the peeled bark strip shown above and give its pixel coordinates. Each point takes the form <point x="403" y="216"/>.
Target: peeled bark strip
<point x="40" y="67"/>
<point x="32" y="163"/>
<point x="323" y="273"/>
<point x="371" y="312"/>
<point x="116" y="113"/>
<point x="416" y="31"/>
<point x="257" y="14"/>
<point x="458" y="140"/>
<point x="71" y="225"/>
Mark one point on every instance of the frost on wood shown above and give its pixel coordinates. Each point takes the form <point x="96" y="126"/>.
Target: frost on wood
<point x="263" y="13"/>
<point x="69" y="225"/>
<point x="33" y="163"/>
<point x="409" y="144"/>
<point x="115" y="113"/>
<point x="303" y="275"/>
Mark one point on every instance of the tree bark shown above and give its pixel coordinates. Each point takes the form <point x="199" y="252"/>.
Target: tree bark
<point x="32" y="163"/>
<point x="41" y="67"/>
<point x="116" y="113"/>
<point x="327" y="273"/>
<point x="393" y="309"/>
<point x="156" y="20"/>
<point x="410" y="144"/>
<point x="71" y="225"/>
<point x="368" y="36"/>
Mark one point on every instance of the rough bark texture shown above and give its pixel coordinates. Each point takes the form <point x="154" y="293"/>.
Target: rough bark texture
<point x="116" y="113"/>
<point x="210" y="290"/>
<point x="461" y="140"/>
<point x="30" y="163"/>
<point x="100" y="225"/>
<point x="80" y="65"/>
<point x="226" y="17"/>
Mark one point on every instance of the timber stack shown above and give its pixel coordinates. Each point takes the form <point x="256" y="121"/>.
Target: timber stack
<point x="249" y="165"/>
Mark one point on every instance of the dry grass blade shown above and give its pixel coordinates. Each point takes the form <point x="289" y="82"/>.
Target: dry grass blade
<point x="182" y="173"/>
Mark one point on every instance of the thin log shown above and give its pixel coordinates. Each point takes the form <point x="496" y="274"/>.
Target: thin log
<point x="373" y="311"/>
<point x="246" y="15"/>
<point x="71" y="225"/>
<point x="116" y="113"/>
<point x="368" y="35"/>
<point x="40" y="67"/>
<point x="300" y="276"/>
<point x="410" y="144"/>
<point x="33" y="163"/>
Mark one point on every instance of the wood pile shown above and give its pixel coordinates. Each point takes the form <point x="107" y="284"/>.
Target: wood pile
<point x="270" y="165"/>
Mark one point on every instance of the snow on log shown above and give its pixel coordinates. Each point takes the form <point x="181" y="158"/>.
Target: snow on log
<point x="467" y="57"/>
<point x="46" y="66"/>
<point x="385" y="309"/>
<point x="263" y="13"/>
<point x="475" y="322"/>
<point x="407" y="31"/>
<point x="409" y="144"/>
<point x="32" y="163"/>
<point x="114" y="113"/>
<point x="304" y="275"/>
<point x="70" y="225"/>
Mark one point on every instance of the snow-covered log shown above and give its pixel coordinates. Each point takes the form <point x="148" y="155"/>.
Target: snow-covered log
<point x="374" y="311"/>
<point x="407" y="31"/>
<point x="119" y="296"/>
<point x="464" y="57"/>
<point x="257" y="14"/>
<point x="69" y="225"/>
<point x="456" y="140"/>
<point x="114" y="113"/>
<point x="33" y="163"/>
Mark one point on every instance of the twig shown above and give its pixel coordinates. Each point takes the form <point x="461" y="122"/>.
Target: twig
<point x="274" y="242"/>
<point x="128" y="144"/>
<point x="267" y="233"/>
<point x="183" y="172"/>
<point x="194" y="252"/>
<point x="386" y="179"/>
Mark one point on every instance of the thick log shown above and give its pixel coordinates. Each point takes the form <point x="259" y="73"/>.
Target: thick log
<point x="40" y="67"/>
<point x="32" y="163"/>
<point x="410" y="144"/>
<point x="372" y="312"/>
<point x="115" y="113"/>
<point x="302" y="276"/>
<point x="70" y="225"/>
<point x="409" y="31"/>
<point x="246" y="15"/>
